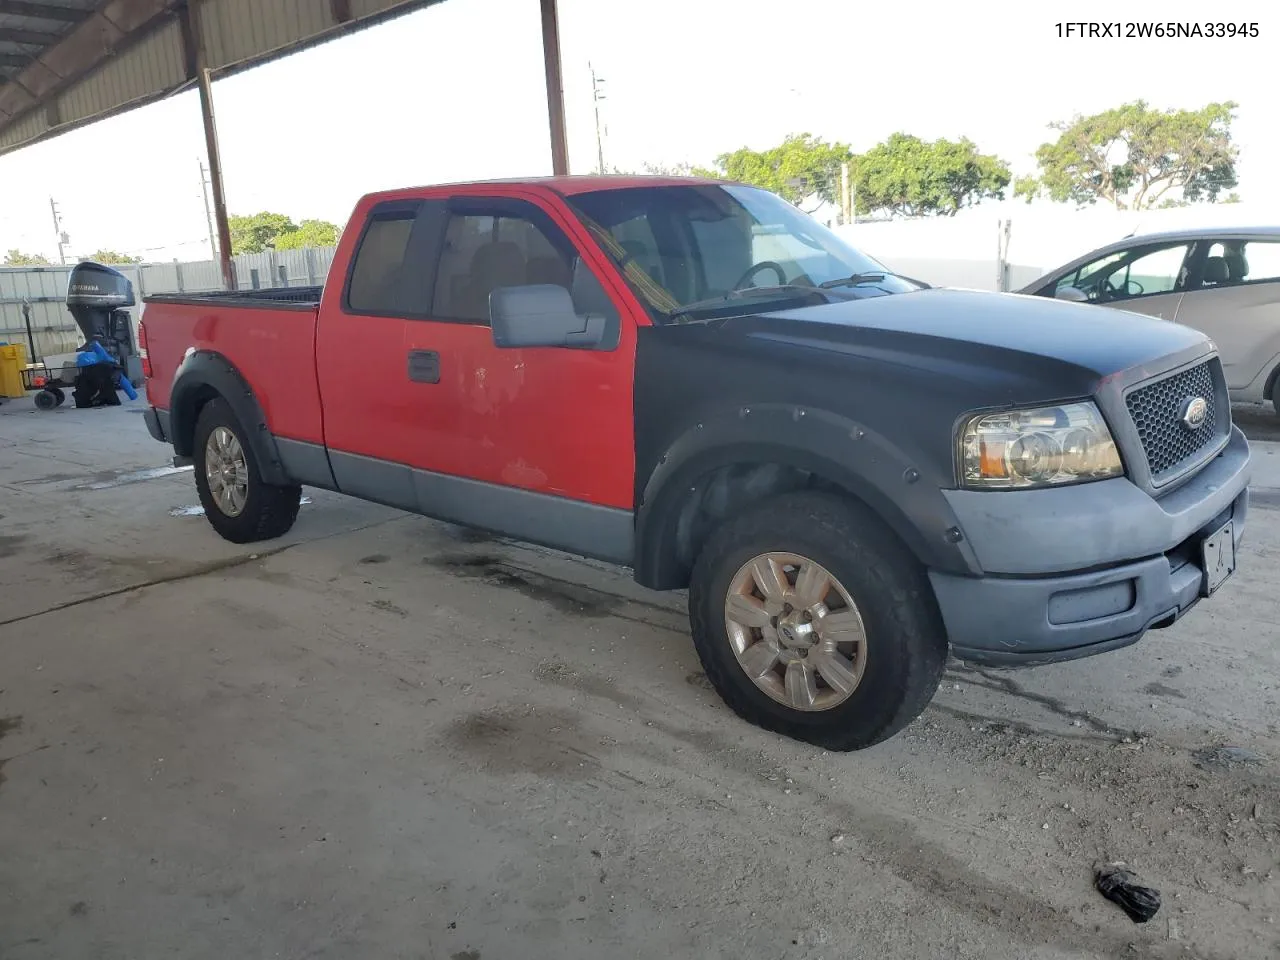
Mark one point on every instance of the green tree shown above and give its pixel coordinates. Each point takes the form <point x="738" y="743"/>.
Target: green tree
<point x="310" y="233"/>
<point x="259" y="232"/>
<point x="16" y="258"/>
<point x="801" y="168"/>
<point x="111" y="256"/>
<point x="907" y="176"/>
<point x="1132" y="156"/>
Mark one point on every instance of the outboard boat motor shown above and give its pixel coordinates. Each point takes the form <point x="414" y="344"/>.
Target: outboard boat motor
<point x="96" y="297"/>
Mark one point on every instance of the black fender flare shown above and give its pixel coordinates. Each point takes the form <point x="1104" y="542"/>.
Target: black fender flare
<point x="848" y="454"/>
<point x="205" y="372"/>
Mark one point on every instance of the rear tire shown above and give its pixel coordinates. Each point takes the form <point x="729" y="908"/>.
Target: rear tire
<point x="45" y="400"/>
<point x="875" y="589"/>
<point x="239" y="504"/>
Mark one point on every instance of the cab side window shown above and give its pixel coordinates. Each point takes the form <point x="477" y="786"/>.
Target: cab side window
<point x="508" y="244"/>
<point x="390" y="272"/>
<point x="378" y="264"/>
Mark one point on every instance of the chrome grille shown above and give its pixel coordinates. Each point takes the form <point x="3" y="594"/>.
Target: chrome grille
<point x="1157" y="413"/>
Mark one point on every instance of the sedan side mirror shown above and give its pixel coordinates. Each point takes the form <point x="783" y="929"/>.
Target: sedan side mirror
<point x="1073" y="294"/>
<point x="541" y="315"/>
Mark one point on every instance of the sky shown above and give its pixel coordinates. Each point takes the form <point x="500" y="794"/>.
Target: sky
<point x="456" y="92"/>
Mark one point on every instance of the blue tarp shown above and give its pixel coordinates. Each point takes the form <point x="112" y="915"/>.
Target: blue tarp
<point x="97" y="354"/>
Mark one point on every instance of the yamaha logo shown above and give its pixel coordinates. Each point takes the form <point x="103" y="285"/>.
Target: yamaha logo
<point x="1195" y="410"/>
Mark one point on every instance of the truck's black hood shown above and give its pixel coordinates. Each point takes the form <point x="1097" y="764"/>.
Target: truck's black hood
<point x="987" y="330"/>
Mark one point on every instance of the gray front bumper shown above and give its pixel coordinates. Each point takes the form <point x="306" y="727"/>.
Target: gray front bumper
<point x="1085" y="569"/>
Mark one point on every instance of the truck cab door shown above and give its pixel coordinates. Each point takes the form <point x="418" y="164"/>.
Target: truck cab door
<point x="543" y="435"/>
<point x="375" y="372"/>
<point x="424" y="411"/>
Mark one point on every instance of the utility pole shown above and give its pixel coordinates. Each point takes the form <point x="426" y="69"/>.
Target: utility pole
<point x="208" y="212"/>
<point x="63" y="239"/>
<point x="845" y="206"/>
<point x="597" y="95"/>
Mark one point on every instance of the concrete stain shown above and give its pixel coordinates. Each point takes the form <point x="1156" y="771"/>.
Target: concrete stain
<point x="137" y="476"/>
<point x="544" y="741"/>
<point x="570" y="598"/>
<point x="1158" y="689"/>
<point x="699" y="679"/>
<point x="10" y="546"/>
<point x="7" y="726"/>
<point x="375" y="558"/>
<point x="389" y="607"/>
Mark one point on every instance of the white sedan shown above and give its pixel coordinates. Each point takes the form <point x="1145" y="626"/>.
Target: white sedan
<point x="1222" y="282"/>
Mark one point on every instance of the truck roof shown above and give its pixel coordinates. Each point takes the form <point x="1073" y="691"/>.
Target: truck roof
<point x="565" y="185"/>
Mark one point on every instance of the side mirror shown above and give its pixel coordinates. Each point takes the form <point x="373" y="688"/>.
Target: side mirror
<point x="541" y="315"/>
<point x="1073" y="294"/>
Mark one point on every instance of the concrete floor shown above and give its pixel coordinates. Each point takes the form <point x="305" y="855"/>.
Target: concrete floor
<point x="381" y="737"/>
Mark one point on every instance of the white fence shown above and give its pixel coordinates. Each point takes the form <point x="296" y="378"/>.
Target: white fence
<point x="42" y="290"/>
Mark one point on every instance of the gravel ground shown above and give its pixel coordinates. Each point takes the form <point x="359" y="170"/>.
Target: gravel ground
<point x="383" y="737"/>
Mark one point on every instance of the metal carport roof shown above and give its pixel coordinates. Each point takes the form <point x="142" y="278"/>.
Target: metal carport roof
<point x="67" y="63"/>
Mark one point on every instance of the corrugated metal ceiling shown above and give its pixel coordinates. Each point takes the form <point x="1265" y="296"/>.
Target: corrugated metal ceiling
<point x="66" y="63"/>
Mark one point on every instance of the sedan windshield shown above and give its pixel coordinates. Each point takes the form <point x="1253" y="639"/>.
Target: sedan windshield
<point x="702" y="249"/>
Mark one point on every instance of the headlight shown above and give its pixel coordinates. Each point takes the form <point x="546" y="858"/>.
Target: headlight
<point x="1039" y="447"/>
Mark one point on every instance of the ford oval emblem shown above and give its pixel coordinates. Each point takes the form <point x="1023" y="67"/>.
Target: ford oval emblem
<point x="1195" y="410"/>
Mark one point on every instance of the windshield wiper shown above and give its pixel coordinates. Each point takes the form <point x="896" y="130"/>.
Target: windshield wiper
<point x="858" y="278"/>
<point x="689" y="308"/>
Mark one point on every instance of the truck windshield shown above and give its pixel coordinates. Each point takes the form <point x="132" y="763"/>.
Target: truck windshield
<point x="697" y="248"/>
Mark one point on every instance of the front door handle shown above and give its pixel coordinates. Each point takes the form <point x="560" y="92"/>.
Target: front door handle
<point x="424" y="366"/>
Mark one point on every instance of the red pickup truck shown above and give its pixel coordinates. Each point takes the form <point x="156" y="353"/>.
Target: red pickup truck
<point x="854" y="474"/>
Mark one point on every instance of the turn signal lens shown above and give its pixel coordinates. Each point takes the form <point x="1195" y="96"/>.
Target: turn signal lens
<point x="1038" y="447"/>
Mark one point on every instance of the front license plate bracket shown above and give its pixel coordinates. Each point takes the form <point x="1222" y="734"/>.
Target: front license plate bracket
<point x="1218" y="558"/>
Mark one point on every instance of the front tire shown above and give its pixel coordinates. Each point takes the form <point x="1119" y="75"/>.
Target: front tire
<point x="812" y="620"/>
<point x="240" y="505"/>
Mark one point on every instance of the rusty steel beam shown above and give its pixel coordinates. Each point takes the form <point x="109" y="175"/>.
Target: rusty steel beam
<point x="555" y="88"/>
<point x="198" y="70"/>
<point x="35" y="38"/>
<point x="42" y="11"/>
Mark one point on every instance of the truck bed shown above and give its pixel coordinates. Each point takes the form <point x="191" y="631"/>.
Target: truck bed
<point x="271" y="333"/>
<point x="280" y="298"/>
